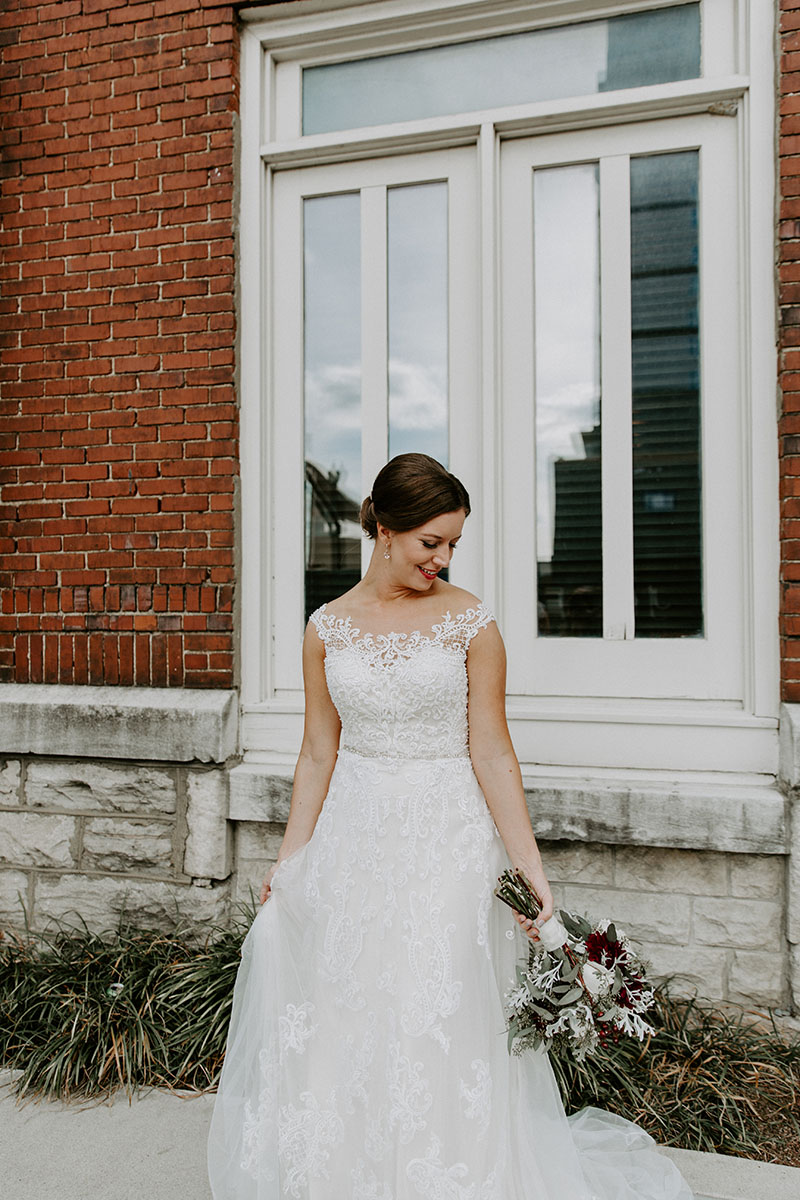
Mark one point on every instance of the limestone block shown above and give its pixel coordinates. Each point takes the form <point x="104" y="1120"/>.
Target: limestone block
<point x="750" y="924"/>
<point x="90" y="786"/>
<point x="793" y="875"/>
<point x="760" y="876"/>
<point x="13" y="898"/>
<point x="645" y="916"/>
<point x="259" y="793"/>
<point x="794" y="976"/>
<point x="162" y="724"/>
<point x="257" y="841"/>
<point x="36" y="839"/>
<point x="209" y="838"/>
<point x="689" y="970"/>
<point x="125" y="844"/>
<point x="250" y="874"/>
<point x="683" y="872"/>
<point x="738" y="817"/>
<point x="9" y="782"/>
<point x="102" y="901"/>
<point x="573" y="862"/>
<point x="758" y="977"/>
<point x="789" y="742"/>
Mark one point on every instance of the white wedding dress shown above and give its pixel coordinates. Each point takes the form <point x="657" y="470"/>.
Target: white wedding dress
<point x="367" y="1055"/>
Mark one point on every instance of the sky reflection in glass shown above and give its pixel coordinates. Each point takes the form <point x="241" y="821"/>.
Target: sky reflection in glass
<point x="417" y="319"/>
<point x="631" y="50"/>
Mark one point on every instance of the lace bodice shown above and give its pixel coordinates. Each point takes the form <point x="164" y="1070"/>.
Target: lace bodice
<point x="401" y="695"/>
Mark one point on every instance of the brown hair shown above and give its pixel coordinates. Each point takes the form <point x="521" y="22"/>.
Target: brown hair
<point x="410" y="490"/>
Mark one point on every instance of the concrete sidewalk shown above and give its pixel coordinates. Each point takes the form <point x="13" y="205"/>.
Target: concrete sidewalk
<point x="154" y="1149"/>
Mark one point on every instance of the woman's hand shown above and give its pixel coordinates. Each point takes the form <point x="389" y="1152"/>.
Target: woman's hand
<point x="542" y="888"/>
<point x="266" y="887"/>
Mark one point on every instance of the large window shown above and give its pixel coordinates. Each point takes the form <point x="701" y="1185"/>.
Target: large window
<point x="524" y="246"/>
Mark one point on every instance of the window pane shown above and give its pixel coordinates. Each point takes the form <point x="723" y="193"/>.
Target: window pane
<point x="567" y="341"/>
<point x="417" y="300"/>
<point x="547" y="64"/>
<point x="666" y="396"/>
<point x="332" y="303"/>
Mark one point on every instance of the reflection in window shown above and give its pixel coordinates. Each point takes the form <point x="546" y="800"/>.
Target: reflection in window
<point x="666" y="396"/>
<point x="545" y="64"/>
<point x="567" y="382"/>
<point x="417" y="319"/>
<point x="332" y="386"/>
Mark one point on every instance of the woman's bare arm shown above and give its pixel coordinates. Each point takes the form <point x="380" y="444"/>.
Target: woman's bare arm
<point x="495" y="762"/>
<point x="317" y="756"/>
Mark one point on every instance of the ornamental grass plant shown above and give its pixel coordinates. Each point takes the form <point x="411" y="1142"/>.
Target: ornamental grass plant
<point x="83" y="1014"/>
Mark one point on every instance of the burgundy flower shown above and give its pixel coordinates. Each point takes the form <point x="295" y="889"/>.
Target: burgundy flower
<point x="603" y="951"/>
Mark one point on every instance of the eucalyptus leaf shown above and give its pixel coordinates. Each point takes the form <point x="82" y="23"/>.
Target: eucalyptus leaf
<point x="542" y="1012"/>
<point x="572" y="995"/>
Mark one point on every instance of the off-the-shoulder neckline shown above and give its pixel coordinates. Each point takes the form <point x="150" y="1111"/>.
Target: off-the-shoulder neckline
<point x="447" y="624"/>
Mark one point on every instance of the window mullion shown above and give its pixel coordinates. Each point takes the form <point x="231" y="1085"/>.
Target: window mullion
<point x="287" y="452"/>
<point x="517" y="523"/>
<point x="492" y="544"/>
<point x="617" y="456"/>
<point x="374" y="342"/>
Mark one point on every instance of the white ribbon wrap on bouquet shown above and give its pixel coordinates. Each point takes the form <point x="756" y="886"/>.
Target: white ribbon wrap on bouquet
<point x="552" y="934"/>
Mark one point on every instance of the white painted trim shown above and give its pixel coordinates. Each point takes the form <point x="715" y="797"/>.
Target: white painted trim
<point x="616" y="420"/>
<point x="374" y="341"/>
<point x="288" y="101"/>
<point x="719" y="40"/>
<point x="705" y="668"/>
<point x="322" y="30"/>
<point x="523" y="120"/>
<point x="760" y="360"/>
<point x="284" y="567"/>
<point x="465" y="263"/>
<point x="254" y="264"/>
<point x="491" y="423"/>
<point x="517" y="371"/>
<point x="318" y="31"/>
<point x="285" y="478"/>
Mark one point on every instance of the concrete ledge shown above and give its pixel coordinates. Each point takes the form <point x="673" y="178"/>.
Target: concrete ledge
<point x="789" y="743"/>
<point x="735" y="818"/>
<point x="724" y="1177"/>
<point x="155" y="724"/>
<point x="155" y="1145"/>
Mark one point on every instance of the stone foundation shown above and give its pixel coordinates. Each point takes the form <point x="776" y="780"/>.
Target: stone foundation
<point x="84" y="841"/>
<point x="710" y="922"/>
<point x="151" y="815"/>
<point x="115" y="803"/>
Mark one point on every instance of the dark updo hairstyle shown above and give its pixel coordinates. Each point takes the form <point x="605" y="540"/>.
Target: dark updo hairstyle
<point x="410" y="490"/>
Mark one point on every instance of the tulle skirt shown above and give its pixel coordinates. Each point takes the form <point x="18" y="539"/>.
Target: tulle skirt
<point x="367" y="1055"/>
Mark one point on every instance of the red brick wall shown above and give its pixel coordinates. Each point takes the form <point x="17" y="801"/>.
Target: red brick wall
<point x="118" y="423"/>
<point x="789" y="291"/>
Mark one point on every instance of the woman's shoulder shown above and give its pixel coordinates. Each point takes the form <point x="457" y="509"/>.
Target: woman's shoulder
<point x="465" y="617"/>
<point x="462" y="603"/>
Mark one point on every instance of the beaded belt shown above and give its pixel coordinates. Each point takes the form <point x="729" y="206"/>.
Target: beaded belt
<point x="416" y="757"/>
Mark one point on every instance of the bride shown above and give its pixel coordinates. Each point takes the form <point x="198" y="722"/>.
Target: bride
<point x="366" y="1055"/>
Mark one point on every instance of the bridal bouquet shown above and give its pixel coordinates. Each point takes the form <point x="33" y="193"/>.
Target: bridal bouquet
<point x="583" y="986"/>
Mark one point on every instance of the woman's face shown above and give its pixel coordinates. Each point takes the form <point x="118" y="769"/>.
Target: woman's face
<point x="418" y="555"/>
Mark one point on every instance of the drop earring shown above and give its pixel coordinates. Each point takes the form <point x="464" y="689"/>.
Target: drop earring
<point x="387" y="552"/>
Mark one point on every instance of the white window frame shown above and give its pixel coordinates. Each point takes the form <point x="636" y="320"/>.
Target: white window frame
<point x="655" y="668"/>
<point x="371" y="178"/>
<point x="683" y="733"/>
